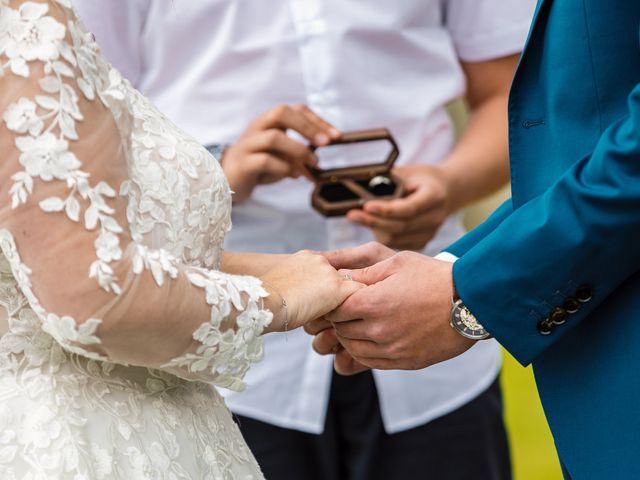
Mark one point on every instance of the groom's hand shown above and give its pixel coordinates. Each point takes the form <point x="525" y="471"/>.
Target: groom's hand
<point x="359" y="257"/>
<point x="325" y="341"/>
<point x="401" y="320"/>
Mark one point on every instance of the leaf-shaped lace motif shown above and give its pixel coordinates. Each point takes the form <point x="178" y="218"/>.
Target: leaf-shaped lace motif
<point x="46" y="124"/>
<point x="164" y="195"/>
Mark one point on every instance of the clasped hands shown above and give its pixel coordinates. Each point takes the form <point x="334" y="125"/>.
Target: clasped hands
<point x="399" y="319"/>
<point x="396" y="312"/>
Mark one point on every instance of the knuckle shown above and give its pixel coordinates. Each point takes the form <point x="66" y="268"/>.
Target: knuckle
<point x="304" y="255"/>
<point x="362" y="307"/>
<point x="404" y="257"/>
<point x="273" y="136"/>
<point x="398" y="259"/>
<point x="279" y="111"/>
<point x="394" y="350"/>
<point x="262" y="160"/>
<point x="373" y="246"/>
<point x="377" y="248"/>
<point x="378" y="332"/>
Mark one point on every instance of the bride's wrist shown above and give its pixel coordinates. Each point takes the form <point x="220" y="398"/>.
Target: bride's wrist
<point x="245" y="263"/>
<point x="277" y="305"/>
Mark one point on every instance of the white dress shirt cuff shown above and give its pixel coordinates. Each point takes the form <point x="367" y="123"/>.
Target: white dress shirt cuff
<point x="446" y="257"/>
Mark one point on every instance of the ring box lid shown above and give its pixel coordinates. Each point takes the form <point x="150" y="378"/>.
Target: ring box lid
<point x="371" y="170"/>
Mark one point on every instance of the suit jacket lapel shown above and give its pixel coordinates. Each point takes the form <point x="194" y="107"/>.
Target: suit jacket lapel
<point x="536" y="18"/>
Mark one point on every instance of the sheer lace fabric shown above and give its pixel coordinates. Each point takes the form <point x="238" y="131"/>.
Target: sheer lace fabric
<point x="111" y="226"/>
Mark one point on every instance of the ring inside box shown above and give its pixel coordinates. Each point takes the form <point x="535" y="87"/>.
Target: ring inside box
<point x="354" y="169"/>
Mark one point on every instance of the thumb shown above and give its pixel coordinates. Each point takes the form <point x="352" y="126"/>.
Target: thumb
<point x="373" y="274"/>
<point x="349" y="287"/>
<point x="354" y="257"/>
<point x="326" y="342"/>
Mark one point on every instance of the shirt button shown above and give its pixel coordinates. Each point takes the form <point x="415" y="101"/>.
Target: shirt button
<point x="583" y="293"/>
<point x="571" y="305"/>
<point x="558" y="316"/>
<point x="545" y="327"/>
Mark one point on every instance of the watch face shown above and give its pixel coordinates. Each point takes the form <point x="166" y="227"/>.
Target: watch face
<point x="466" y="324"/>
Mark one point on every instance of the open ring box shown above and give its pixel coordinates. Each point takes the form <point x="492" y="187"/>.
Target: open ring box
<point x="371" y="155"/>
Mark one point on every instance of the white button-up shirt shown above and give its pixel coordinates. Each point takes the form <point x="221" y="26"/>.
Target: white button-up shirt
<point x="214" y="65"/>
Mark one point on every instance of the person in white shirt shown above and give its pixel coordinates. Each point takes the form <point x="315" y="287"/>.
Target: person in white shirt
<point x="319" y="67"/>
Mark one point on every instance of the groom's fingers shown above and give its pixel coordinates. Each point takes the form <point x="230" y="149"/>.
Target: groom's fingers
<point x="326" y="342"/>
<point x="351" y="309"/>
<point x="346" y="365"/>
<point x="382" y="364"/>
<point x="354" y="329"/>
<point x="374" y="273"/>
<point x="314" y="327"/>
<point x="363" y="349"/>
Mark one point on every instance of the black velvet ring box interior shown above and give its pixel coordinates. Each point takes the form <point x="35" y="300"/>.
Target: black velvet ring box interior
<point x="341" y="189"/>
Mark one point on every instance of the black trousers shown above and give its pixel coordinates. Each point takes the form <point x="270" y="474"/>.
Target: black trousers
<point x="467" y="444"/>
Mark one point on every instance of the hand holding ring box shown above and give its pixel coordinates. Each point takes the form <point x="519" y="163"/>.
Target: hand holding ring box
<point x="343" y="188"/>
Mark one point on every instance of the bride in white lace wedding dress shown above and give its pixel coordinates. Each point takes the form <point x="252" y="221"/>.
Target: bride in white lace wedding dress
<point x="115" y="314"/>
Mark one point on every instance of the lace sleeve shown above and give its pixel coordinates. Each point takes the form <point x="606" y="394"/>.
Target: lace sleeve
<point x="100" y="287"/>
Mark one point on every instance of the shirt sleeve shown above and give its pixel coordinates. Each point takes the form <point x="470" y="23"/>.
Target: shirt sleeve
<point x="483" y="30"/>
<point x="68" y="207"/>
<point x="446" y="257"/>
<point x="118" y="26"/>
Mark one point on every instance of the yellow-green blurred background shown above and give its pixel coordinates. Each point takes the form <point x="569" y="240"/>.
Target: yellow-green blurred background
<point x="532" y="452"/>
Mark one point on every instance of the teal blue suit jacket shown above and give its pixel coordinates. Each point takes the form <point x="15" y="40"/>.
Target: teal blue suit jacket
<point x="573" y="220"/>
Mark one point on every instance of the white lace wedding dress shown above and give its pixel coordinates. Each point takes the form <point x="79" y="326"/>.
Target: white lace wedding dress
<point x="113" y="318"/>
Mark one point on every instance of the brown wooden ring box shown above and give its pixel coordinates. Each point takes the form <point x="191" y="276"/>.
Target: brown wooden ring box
<point x="339" y="190"/>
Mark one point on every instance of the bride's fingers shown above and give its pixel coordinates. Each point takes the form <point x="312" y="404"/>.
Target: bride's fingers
<point x="356" y="329"/>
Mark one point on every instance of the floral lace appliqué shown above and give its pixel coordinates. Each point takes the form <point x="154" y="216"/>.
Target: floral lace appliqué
<point x="66" y="412"/>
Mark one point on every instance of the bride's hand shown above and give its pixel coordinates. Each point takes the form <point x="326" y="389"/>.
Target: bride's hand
<point x="310" y="286"/>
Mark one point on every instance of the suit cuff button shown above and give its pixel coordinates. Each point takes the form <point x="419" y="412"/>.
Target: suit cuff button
<point x="558" y="316"/>
<point x="584" y="293"/>
<point x="545" y="327"/>
<point x="571" y="305"/>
